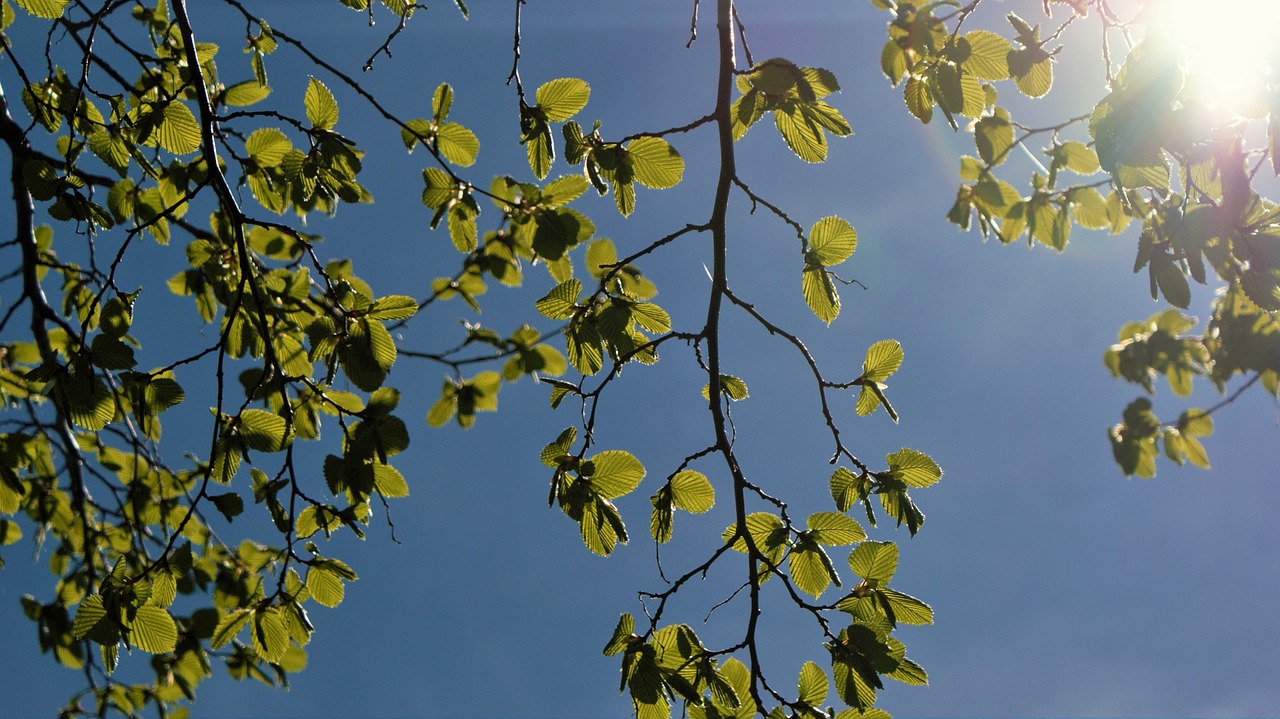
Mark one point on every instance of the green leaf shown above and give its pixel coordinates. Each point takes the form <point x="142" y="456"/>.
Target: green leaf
<point x="1196" y="423"/>
<point x="270" y="634"/>
<point x="441" y="102"/>
<point x="731" y="386"/>
<point x="831" y="241"/>
<point x="812" y="685"/>
<point x="229" y="626"/>
<point x="243" y="94"/>
<point x="178" y="132"/>
<point x="882" y="360"/>
<point x="393" y="307"/>
<point x="564" y="190"/>
<point x="622" y="635"/>
<point x="561" y="302"/>
<point x="844" y="488"/>
<point x="389" y="482"/>
<point x="662" y="518"/>
<point x="10" y="531"/>
<point x="834" y="529"/>
<point x="808" y="569"/>
<point x="908" y="672"/>
<point x="48" y="9"/>
<point x="907" y="609"/>
<point x="766" y="532"/>
<point x="1078" y="157"/>
<point x="914" y="468"/>
<point x="153" y="630"/>
<point x="457" y="144"/>
<point x="875" y="562"/>
<point x="617" y="472"/>
<point x="692" y="492"/>
<point x="655" y="163"/>
<point x="230" y="505"/>
<point x="820" y="293"/>
<point x="919" y="99"/>
<point x="322" y="109"/>
<point x="561" y="99"/>
<point x="994" y="137"/>
<point x="1032" y="75"/>
<point x="651" y="317"/>
<point x="1172" y="282"/>
<point x="263" y="431"/>
<point x="325" y="586"/>
<point x="805" y="138"/>
<point x="987" y="55"/>
<point x="560" y="447"/>
<point x="267" y="146"/>
<point x="91" y="622"/>
<point x="438" y="188"/>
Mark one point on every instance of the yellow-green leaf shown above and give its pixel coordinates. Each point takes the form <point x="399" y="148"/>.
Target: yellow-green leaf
<point x="153" y="630"/>
<point x="692" y="492"/>
<point x="655" y="162"/>
<point x="820" y="293"/>
<point x="561" y="99"/>
<point x="831" y="241"/>
<point x="321" y="107"/>
<point x="178" y="132"/>
<point x="49" y="9"/>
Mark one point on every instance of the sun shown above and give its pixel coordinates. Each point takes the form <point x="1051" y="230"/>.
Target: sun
<point x="1229" y="47"/>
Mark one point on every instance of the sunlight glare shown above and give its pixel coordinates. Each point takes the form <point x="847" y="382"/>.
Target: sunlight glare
<point x="1229" y="46"/>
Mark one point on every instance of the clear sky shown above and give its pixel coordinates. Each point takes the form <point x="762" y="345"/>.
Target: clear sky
<point x="1060" y="588"/>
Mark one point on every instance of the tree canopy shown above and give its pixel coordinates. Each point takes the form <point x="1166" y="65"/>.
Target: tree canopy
<point x="189" y="437"/>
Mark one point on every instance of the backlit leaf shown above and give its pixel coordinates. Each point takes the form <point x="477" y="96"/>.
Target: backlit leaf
<point x="562" y="99"/>
<point x="325" y="586"/>
<point x="875" y="562"/>
<point x="655" y="162"/>
<point x="834" y="529"/>
<point x="831" y="241"/>
<point x="820" y="293"/>
<point x="616" y="473"/>
<point x="812" y="685"/>
<point x="321" y="107"/>
<point x="178" y="132"/>
<point x="882" y="360"/>
<point x="914" y="468"/>
<point x="153" y="630"/>
<point x="48" y="9"/>
<point x="692" y="492"/>
<point x="229" y="626"/>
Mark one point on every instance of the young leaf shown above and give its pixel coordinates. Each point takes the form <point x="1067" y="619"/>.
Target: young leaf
<point x="325" y="586"/>
<point x="820" y="293"/>
<point x="692" y="492"/>
<point x="655" y="162"/>
<point x="731" y="386"/>
<point x="561" y="302"/>
<point x="812" y="685"/>
<point x="228" y="627"/>
<point x="834" y="529"/>
<point x="562" y="99"/>
<point x="875" y="562"/>
<point x="322" y="109"/>
<point x="914" y="468"/>
<point x="153" y="630"/>
<point x="808" y="569"/>
<point x="882" y="360"/>
<point x="616" y="473"/>
<point x="831" y="241"/>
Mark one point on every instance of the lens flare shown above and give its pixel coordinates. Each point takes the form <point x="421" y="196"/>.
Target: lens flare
<point x="1229" y="47"/>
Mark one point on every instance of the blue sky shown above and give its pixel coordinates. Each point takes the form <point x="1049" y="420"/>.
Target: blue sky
<point x="1060" y="588"/>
